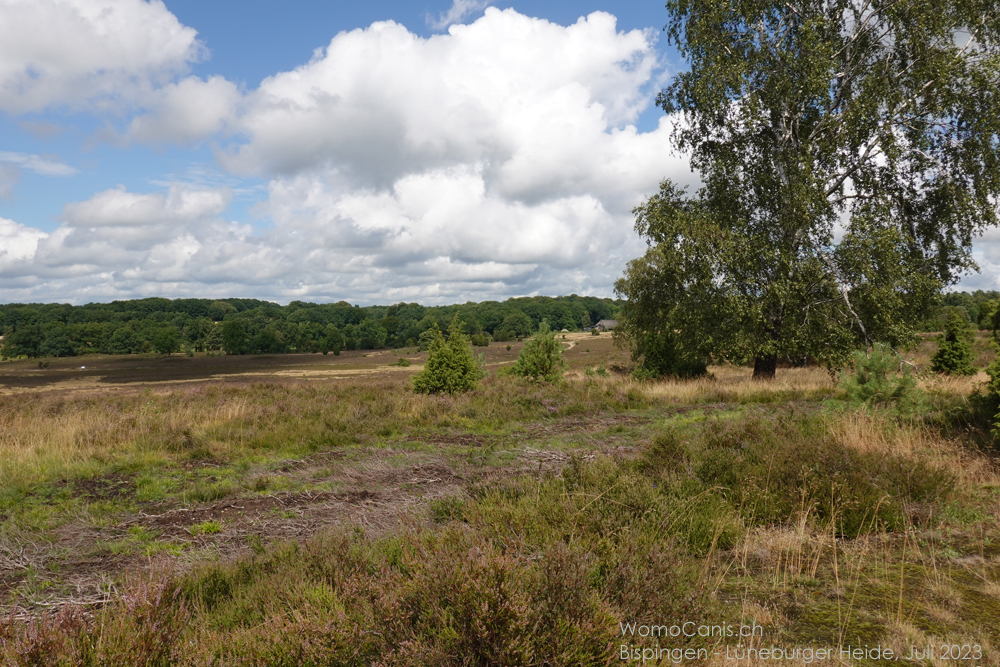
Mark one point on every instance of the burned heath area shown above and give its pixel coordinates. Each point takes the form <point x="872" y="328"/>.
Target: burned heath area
<point x="310" y="509"/>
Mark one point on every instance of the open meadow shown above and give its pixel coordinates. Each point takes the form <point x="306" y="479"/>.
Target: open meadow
<point x="314" y="510"/>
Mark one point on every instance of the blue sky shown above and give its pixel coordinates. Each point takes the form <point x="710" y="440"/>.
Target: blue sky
<point x="374" y="152"/>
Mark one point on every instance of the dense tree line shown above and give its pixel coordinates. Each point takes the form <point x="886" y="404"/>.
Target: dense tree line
<point x="977" y="308"/>
<point x="251" y="326"/>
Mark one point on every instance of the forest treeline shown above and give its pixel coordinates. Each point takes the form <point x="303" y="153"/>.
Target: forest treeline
<point x="977" y="308"/>
<point x="251" y="326"/>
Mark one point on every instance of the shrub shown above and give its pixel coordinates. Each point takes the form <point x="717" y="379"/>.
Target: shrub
<point x="541" y="359"/>
<point x="882" y="378"/>
<point x="597" y="371"/>
<point x="403" y="362"/>
<point x="954" y="353"/>
<point x="451" y="366"/>
<point x="662" y="357"/>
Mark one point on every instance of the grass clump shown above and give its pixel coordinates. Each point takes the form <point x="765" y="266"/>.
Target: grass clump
<point x="205" y="528"/>
<point x="774" y="470"/>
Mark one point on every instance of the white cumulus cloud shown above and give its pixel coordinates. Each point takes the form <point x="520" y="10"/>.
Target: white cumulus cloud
<point x="88" y="53"/>
<point x="187" y="111"/>
<point x="17" y="243"/>
<point x="500" y="158"/>
<point x="382" y="102"/>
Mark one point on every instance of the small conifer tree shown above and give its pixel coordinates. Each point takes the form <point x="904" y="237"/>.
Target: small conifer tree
<point x="954" y="354"/>
<point x="882" y="379"/>
<point x="451" y="365"/>
<point x="541" y="359"/>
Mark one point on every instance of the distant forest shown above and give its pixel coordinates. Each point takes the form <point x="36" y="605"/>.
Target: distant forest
<point x="250" y="326"/>
<point x="977" y="307"/>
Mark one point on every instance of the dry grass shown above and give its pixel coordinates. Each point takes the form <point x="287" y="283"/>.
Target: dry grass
<point x="958" y="385"/>
<point x="48" y="433"/>
<point x="44" y="434"/>
<point x="875" y="433"/>
<point x="727" y="384"/>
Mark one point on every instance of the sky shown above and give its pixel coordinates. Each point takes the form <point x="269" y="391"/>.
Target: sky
<point x="373" y="152"/>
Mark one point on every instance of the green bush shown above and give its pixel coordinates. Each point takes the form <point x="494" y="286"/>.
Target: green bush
<point x="882" y="378"/>
<point x="451" y="366"/>
<point x="541" y="358"/>
<point x="954" y="353"/>
<point x="662" y="356"/>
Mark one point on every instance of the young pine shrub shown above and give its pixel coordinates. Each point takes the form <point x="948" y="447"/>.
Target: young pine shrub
<point x="451" y="366"/>
<point x="954" y="353"/>
<point x="541" y="359"/>
<point x="882" y="378"/>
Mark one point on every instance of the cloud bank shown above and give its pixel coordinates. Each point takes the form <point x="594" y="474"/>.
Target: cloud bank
<point x="86" y="54"/>
<point x="499" y="158"/>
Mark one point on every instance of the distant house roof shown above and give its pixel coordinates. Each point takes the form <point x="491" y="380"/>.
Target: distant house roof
<point x="606" y="324"/>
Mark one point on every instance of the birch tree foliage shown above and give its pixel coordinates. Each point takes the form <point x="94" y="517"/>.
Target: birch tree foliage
<point x="849" y="154"/>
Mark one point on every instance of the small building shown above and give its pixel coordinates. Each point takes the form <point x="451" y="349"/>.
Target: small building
<point x="606" y="325"/>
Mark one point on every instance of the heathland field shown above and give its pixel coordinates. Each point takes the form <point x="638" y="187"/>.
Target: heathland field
<point x="314" y="510"/>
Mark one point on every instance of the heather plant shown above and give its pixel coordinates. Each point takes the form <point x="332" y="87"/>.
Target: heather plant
<point x="451" y="366"/>
<point x="141" y="628"/>
<point x="541" y="359"/>
<point x="954" y="353"/>
<point x="529" y="572"/>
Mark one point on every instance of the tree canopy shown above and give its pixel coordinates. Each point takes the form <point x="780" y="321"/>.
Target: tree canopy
<point x="848" y="151"/>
